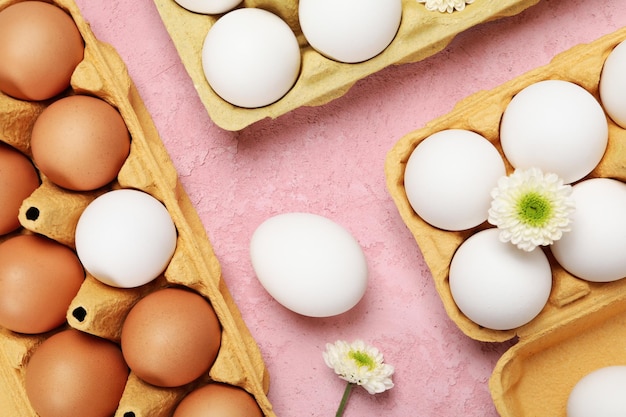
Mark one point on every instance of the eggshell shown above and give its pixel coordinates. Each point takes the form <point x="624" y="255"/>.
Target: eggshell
<point x="218" y="400"/>
<point x="309" y="264"/>
<point x="75" y="374"/>
<point x="208" y="6"/>
<point x="599" y="394"/>
<point x="40" y="46"/>
<point x="594" y="249"/>
<point x="612" y="87"/>
<point x="250" y="57"/>
<point x="557" y="126"/>
<point x="449" y="177"/>
<point x="18" y="180"/>
<point x="80" y="142"/>
<point x="350" y="31"/>
<point x="171" y="337"/>
<point x="125" y="238"/>
<point x="497" y="285"/>
<point x="38" y="280"/>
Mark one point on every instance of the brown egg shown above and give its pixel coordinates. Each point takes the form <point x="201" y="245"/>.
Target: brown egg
<point x="38" y="280"/>
<point x="18" y="179"/>
<point x="171" y="337"/>
<point x="75" y="374"/>
<point x="40" y="46"/>
<point x="218" y="400"/>
<point x="80" y="142"/>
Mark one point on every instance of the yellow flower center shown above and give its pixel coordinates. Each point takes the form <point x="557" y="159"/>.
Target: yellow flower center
<point x="534" y="209"/>
<point x="362" y="359"/>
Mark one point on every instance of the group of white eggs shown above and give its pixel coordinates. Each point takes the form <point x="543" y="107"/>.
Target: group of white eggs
<point x="311" y="265"/>
<point x="251" y="57"/>
<point x="559" y="127"/>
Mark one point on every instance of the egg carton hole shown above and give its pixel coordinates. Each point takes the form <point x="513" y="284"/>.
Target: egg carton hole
<point x="79" y="313"/>
<point x="32" y="213"/>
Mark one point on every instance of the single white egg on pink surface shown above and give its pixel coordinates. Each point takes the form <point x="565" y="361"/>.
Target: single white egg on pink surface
<point x="495" y="284"/>
<point x="251" y="57"/>
<point x="125" y="238"/>
<point x="594" y="249"/>
<point x="613" y="85"/>
<point x="556" y="126"/>
<point x="350" y="31"/>
<point x="208" y="6"/>
<point x="309" y="264"/>
<point x="599" y="394"/>
<point x="449" y="177"/>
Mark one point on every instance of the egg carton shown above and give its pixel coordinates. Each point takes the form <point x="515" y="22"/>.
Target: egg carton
<point x="99" y="309"/>
<point x="582" y="327"/>
<point x="422" y="33"/>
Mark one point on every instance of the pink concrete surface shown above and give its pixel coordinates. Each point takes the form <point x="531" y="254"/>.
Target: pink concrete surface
<point x="329" y="160"/>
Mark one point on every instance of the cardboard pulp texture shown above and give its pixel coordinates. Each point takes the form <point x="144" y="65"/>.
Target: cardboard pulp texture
<point x="422" y="33"/>
<point x="582" y="327"/>
<point x="98" y="309"/>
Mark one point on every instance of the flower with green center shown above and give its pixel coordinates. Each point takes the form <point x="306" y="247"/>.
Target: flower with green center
<point x="445" y="5"/>
<point x="358" y="364"/>
<point x="531" y="208"/>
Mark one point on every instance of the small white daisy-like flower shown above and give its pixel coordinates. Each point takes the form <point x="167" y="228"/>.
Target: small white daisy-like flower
<point x="531" y="208"/>
<point x="359" y="364"/>
<point x="445" y="5"/>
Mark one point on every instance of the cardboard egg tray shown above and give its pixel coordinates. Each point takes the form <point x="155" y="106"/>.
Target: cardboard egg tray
<point x="582" y="327"/>
<point x="422" y="33"/>
<point x="98" y="309"/>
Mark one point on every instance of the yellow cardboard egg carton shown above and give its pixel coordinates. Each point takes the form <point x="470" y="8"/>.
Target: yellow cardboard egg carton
<point x="582" y="326"/>
<point x="422" y="33"/>
<point x="98" y="309"/>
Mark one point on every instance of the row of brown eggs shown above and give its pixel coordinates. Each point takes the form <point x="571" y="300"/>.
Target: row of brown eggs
<point x="170" y="337"/>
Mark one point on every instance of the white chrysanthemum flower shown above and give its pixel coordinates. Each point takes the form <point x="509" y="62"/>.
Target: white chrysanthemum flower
<point x="359" y="364"/>
<point x="445" y="5"/>
<point x="531" y="208"/>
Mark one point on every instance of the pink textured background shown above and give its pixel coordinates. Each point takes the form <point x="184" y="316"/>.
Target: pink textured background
<point x="329" y="160"/>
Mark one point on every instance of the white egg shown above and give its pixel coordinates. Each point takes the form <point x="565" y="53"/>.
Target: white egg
<point x="309" y="264"/>
<point x="350" y="31"/>
<point x="556" y="126"/>
<point x="125" y="238"/>
<point x="251" y="57"/>
<point x="599" y="394"/>
<point x="496" y="285"/>
<point x="449" y="177"/>
<point x="613" y="85"/>
<point x="208" y="6"/>
<point x="594" y="249"/>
